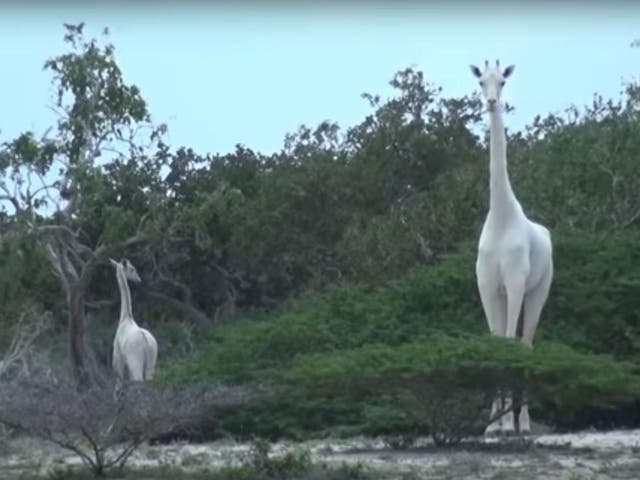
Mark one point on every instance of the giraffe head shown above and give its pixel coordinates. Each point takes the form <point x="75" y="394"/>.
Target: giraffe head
<point x="130" y="271"/>
<point x="492" y="79"/>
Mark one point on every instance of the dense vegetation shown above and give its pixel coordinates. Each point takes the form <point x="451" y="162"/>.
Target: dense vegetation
<point x="338" y="270"/>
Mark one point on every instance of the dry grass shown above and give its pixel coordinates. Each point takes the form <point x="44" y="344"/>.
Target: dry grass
<point x="495" y="462"/>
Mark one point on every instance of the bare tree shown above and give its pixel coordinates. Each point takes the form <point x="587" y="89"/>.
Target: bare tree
<point x="18" y="357"/>
<point x="102" y="428"/>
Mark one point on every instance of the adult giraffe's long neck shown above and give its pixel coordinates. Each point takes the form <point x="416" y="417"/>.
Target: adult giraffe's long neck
<point x="126" y="314"/>
<point x="502" y="200"/>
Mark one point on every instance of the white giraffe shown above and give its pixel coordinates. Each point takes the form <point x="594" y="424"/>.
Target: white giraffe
<point x="134" y="349"/>
<point x="514" y="265"/>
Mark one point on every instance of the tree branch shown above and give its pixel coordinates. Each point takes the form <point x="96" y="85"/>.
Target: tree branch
<point x="56" y="263"/>
<point x="186" y="308"/>
<point x="22" y="342"/>
<point x="129" y="242"/>
<point x="7" y="196"/>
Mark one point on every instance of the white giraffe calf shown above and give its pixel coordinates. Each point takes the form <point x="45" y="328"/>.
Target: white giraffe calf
<point x="134" y="349"/>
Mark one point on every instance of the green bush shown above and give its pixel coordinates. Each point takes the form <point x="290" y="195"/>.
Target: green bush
<point x="445" y="385"/>
<point x="341" y="317"/>
<point x="593" y="306"/>
<point x="592" y="309"/>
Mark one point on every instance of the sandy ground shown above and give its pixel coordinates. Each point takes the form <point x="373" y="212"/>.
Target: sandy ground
<point x="578" y="456"/>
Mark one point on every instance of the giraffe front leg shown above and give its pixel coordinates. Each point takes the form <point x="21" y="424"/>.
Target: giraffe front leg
<point x="515" y="286"/>
<point x="496" y="426"/>
<point x="495" y="308"/>
<point x="493" y="302"/>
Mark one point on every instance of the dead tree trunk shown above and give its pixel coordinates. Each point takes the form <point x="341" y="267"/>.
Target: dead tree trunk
<point x="74" y="286"/>
<point x="79" y="353"/>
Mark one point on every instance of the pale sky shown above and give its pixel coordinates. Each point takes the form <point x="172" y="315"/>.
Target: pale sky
<point x="250" y="73"/>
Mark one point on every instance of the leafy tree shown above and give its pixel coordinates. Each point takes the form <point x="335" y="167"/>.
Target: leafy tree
<point x="577" y="170"/>
<point x="56" y="189"/>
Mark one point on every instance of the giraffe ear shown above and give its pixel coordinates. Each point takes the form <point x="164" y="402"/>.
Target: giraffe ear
<point x="475" y="70"/>
<point x="113" y="262"/>
<point x="508" y="71"/>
